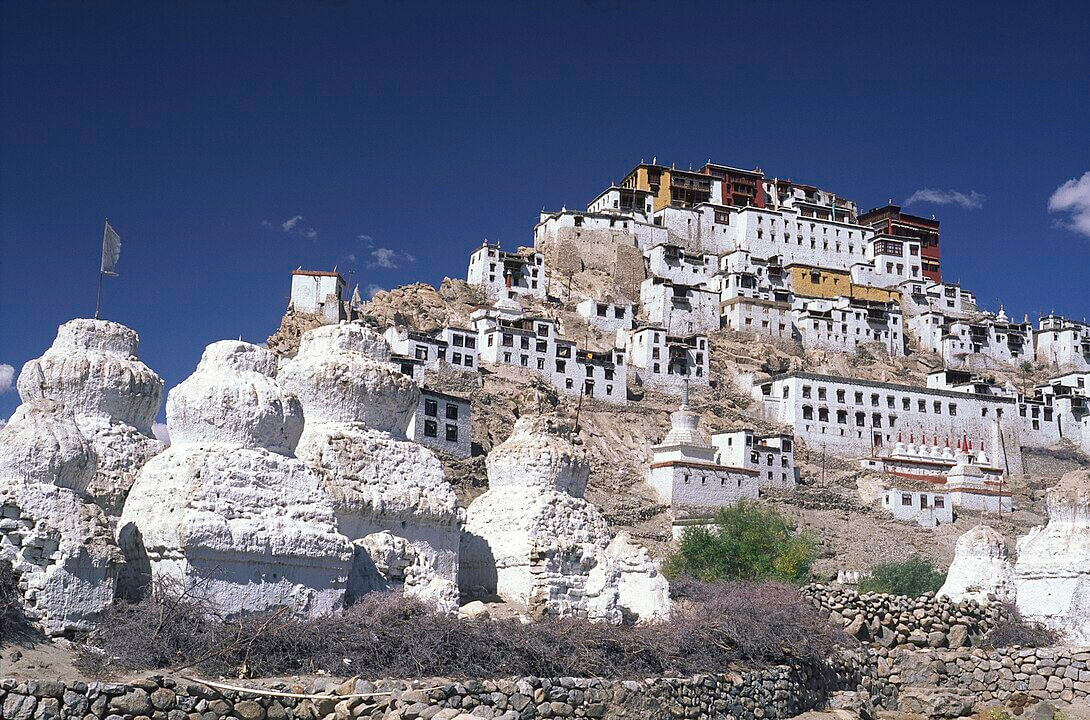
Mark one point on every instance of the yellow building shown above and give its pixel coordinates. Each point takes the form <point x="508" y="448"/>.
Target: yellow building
<point x="808" y="281"/>
<point x="670" y="187"/>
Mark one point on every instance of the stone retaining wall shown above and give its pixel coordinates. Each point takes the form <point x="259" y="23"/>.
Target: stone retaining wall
<point x="1013" y="676"/>
<point x="895" y="620"/>
<point x="776" y="692"/>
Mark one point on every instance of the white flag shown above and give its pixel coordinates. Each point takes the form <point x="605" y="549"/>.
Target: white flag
<point x="111" y="250"/>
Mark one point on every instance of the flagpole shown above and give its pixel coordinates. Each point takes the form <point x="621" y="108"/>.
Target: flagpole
<point x="98" y="298"/>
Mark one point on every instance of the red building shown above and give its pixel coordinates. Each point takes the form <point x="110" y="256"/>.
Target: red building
<point x="740" y="188"/>
<point x="889" y="220"/>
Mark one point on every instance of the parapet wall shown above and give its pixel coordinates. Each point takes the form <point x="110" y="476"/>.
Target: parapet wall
<point x="769" y="693"/>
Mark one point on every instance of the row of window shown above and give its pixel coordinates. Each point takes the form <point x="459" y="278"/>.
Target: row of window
<point x="431" y="429"/>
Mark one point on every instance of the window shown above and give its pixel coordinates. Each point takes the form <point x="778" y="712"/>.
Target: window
<point x="859" y="398"/>
<point x="807" y="412"/>
<point x="452" y="411"/>
<point x="568" y="384"/>
<point x="508" y="340"/>
<point x="452" y="433"/>
<point x="431" y="429"/>
<point x="823" y="414"/>
<point x="841" y="417"/>
<point x="860" y="419"/>
<point x="952" y="408"/>
<point x="921" y="405"/>
<point x="938" y="407"/>
<point x="431" y="407"/>
<point x="468" y="361"/>
<point x="821" y="393"/>
<point x="560" y="365"/>
<point x="840" y="394"/>
<point x="456" y="358"/>
<point x="906" y="499"/>
<point x="939" y="501"/>
<point x="806" y="391"/>
<point x="421" y="352"/>
<point x="471" y="342"/>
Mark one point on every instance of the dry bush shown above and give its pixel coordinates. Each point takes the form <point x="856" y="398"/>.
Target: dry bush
<point x="386" y="635"/>
<point x="1013" y="629"/>
<point x="10" y="616"/>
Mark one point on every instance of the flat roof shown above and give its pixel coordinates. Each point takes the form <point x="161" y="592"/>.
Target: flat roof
<point x="317" y="273"/>
<point x="887" y="386"/>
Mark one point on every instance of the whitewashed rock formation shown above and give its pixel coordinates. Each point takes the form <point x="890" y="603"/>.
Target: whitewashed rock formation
<point x="1053" y="568"/>
<point x="62" y="551"/>
<point x="92" y="371"/>
<point x="532" y="538"/>
<point x="980" y="570"/>
<point x="226" y="510"/>
<point x="42" y="444"/>
<point x="390" y="495"/>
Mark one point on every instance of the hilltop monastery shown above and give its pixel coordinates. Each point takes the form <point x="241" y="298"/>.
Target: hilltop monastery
<point x="306" y="478"/>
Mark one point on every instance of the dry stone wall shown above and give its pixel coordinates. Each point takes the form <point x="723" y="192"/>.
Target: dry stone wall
<point x="769" y="693"/>
<point x="895" y="620"/>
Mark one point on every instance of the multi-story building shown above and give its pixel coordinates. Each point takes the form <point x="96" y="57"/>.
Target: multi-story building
<point x="927" y="507"/>
<point x="673" y="263"/>
<point x="505" y="337"/>
<point x="734" y="186"/>
<point x="890" y="222"/>
<point x="447" y="348"/>
<point x="629" y="201"/>
<point x="683" y="309"/>
<point x="668" y="186"/>
<point x="979" y="341"/>
<point x="846" y="324"/>
<point x="862" y="418"/>
<point x="608" y="316"/>
<point x="666" y="362"/>
<point x="501" y="274"/>
<point x="442" y="422"/>
<point x="754" y="295"/>
<point x="772" y="456"/>
<point x="318" y="292"/>
<point x="1062" y="343"/>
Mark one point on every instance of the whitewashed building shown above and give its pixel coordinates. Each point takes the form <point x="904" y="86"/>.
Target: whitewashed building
<point x="500" y="274"/>
<point x="683" y="309"/>
<point x="928" y="508"/>
<point x="665" y="362"/>
<point x="447" y="348"/>
<point x="754" y="295"/>
<point x="673" y="263"/>
<point x="534" y="343"/>
<point x="608" y="316"/>
<point x="442" y="422"/>
<point x="771" y="456"/>
<point x="1062" y="343"/>
<point x="977" y="342"/>
<point x="861" y="418"/>
<point x="686" y="475"/>
<point x="318" y="292"/>
<point x="845" y="324"/>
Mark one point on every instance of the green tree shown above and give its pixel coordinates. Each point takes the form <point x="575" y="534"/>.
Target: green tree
<point x="912" y="577"/>
<point x="747" y="542"/>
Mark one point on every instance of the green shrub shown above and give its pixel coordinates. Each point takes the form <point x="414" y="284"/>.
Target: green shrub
<point x="748" y="542"/>
<point x="912" y="577"/>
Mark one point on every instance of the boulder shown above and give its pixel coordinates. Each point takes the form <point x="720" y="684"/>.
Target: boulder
<point x="42" y="444"/>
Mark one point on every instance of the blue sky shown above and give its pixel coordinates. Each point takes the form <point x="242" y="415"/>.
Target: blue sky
<point x="405" y="133"/>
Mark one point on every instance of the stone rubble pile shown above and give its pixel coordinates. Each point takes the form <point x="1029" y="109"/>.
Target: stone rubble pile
<point x="533" y="539"/>
<point x="68" y="457"/>
<point x="898" y="621"/>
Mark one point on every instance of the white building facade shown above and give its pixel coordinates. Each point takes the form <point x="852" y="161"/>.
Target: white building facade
<point x="502" y="274"/>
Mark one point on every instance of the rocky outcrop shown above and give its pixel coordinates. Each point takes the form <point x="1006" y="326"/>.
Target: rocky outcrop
<point x="1053" y="568"/>
<point x="980" y="570"/>
<point x="533" y="539"/>
<point x="227" y="510"/>
<point x="390" y="495"/>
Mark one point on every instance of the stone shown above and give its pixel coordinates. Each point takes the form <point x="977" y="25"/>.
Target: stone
<point x="249" y="710"/>
<point x="936" y="702"/>
<point x="162" y="699"/>
<point x="49" y="708"/>
<point x="958" y="636"/>
<point x="19" y="707"/>
<point x="475" y="610"/>
<point x="134" y="702"/>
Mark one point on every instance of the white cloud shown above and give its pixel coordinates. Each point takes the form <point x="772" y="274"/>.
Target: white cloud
<point x="290" y="223"/>
<point x="970" y="201"/>
<point x="389" y="258"/>
<point x="373" y="290"/>
<point x="365" y="238"/>
<point x="159" y="430"/>
<point x="266" y="224"/>
<point x="1073" y="197"/>
<point x="352" y="258"/>
<point x="294" y="225"/>
<point x="7" y="377"/>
